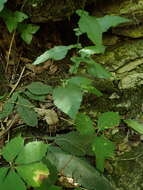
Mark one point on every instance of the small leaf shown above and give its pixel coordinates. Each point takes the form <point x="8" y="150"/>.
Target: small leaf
<point x="27" y="31"/>
<point x="39" y="88"/>
<point x="12" y="19"/>
<point x="89" y="50"/>
<point x="12" y="181"/>
<point x="56" y="53"/>
<point x="12" y="148"/>
<point x="3" y="174"/>
<point x="84" y="124"/>
<point x="26" y="112"/>
<point x="135" y="125"/>
<point x="90" y="26"/>
<point x="80" y="81"/>
<point x="2" y="2"/>
<point x="33" y="174"/>
<point x="108" y="120"/>
<point x="68" y="99"/>
<point x="111" y="21"/>
<point x="40" y="98"/>
<point x="98" y="71"/>
<point x="32" y="152"/>
<point x="75" y="143"/>
<point x="103" y="148"/>
<point x="8" y="106"/>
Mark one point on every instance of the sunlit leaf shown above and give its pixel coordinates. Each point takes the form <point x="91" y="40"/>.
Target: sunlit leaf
<point x="103" y="149"/>
<point x="135" y="125"/>
<point x="33" y="174"/>
<point x="32" y="152"/>
<point x="12" y="148"/>
<point x="2" y="2"/>
<point x="108" y="120"/>
<point x="68" y="99"/>
<point x="56" y="53"/>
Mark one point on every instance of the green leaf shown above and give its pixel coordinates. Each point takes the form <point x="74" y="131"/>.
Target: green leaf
<point x="33" y="174"/>
<point x="89" y="50"/>
<point x="103" y="148"/>
<point x="90" y="26"/>
<point x="78" y="169"/>
<point x="32" y="152"/>
<point x="98" y="71"/>
<point x="68" y="99"/>
<point x="8" y="106"/>
<point x="12" y="19"/>
<point x="55" y="187"/>
<point x="27" y="31"/>
<point x="75" y="143"/>
<point x="39" y="88"/>
<point x="52" y="178"/>
<point x="12" y="181"/>
<point x="80" y="81"/>
<point x="3" y="174"/>
<point x="2" y="2"/>
<point x="40" y="98"/>
<point x="135" y="125"/>
<point x="111" y="21"/>
<point x="56" y="53"/>
<point x="26" y="112"/>
<point x="108" y="120"/>
<point x="77" y="61"/>
<point x="12" y="148"/>
<point x="84" y="124"/>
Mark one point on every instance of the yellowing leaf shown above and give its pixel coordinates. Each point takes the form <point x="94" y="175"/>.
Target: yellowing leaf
<point x="33" y="174"/>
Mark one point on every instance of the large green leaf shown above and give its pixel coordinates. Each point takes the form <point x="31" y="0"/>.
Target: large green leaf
<point x="111" y="21"/>
<point x="33" y="174"/>
<point x="26" y="111"/>
<point x="135" y="125"/>
<point x="12" y="182"/>
<point x="68" y="99"/>
<point x="27" y="31"/>
<point x="84" y="124"/>
<point x="2" y="2"/>
<point x="90" y="26"/>
<point x="103" y="148"/>
<point x="108" y="120"/>
<point x="8" y="106"/>
<point x="39" y="88"/>
<point x="32" y="152"/>
<point x="12" y="148"/>
<point x="78" y="169"/>
<point x="12" y="19"/>
<point x="56" y="53"/>
<point x="75" y="143"/>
